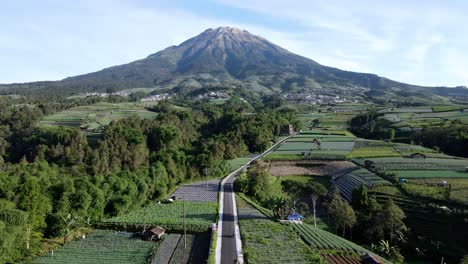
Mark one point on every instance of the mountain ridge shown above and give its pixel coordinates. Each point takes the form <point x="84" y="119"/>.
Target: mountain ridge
<point x="231" y="57"/>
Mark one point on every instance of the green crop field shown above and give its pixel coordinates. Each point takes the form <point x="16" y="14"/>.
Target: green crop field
<point x="444" y="108"/>
<point x="458" y="187"/>
<point x="104" y="247"/>
<point x="373" y="151"/>
<point x="437" y="174"/>
<point x="323" y="240"/>
<point x="266" y="241"/>
<point x="370" y="177"/>
<point x="199" y="216"/>
<point x="395" y="164"/>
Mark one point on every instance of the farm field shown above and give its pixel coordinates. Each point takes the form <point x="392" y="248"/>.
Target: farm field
<point x="370" y="177"/>
<point x="166" y="249"/>
<point x="416" y="117"/>
<point x="323" y="240"/>
<point x="102" y="246"/>
<point x="309" y="167"/>
<point x="418" y="164"/>
<point x="458" y="190"/>
<point x="435" y="174"/>
<point x="301" y="146"/>
<point x="92" y="117"/>
<point x="199" y="216"/>
<point x="373" y="151"/>
<point x="265" y="241"/>
<point x="204" y="191"/>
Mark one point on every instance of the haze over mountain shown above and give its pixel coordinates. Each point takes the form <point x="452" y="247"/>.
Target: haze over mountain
<point x="230" y="57"/>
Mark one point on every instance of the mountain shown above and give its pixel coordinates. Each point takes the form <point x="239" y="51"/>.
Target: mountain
<point x="230" y="57"/>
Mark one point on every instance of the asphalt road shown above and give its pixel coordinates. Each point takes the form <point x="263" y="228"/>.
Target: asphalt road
<point x="229" y="249"/>
<point x="228" y="240"/>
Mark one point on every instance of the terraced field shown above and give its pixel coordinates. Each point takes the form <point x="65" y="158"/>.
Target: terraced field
<point x="104" y="247"/>
<point x="92" y="117"/>
<point x="331" y="147"/>
<point x="430" y="174"/>
<point x="323" y="240"/>
<point x="395" y="163"/>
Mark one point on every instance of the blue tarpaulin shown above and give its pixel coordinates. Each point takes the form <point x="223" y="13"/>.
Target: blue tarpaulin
<point x="294" y="217"/>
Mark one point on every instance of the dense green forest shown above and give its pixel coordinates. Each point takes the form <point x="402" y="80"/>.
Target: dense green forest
<point x="51" y="174"/>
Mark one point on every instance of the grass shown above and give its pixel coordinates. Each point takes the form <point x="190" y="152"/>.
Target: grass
<point x="369" y="152"/>
<point x="235" y="164"/>
<point x="102" y="246"/>
<point x="199" y="216"/>
<point x="214" y="242"/>
<point x="324" y="180"/>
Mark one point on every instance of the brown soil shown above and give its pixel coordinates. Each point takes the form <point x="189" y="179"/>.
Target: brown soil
<point x="309" y="167"/>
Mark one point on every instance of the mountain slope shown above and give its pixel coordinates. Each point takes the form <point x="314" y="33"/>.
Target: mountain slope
<point x="229" y="57"/>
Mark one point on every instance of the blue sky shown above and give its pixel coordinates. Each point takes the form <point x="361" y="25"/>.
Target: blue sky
<point x="418" y="42"/>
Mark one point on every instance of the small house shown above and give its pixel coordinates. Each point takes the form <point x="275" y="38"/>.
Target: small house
<point x="295" y="217"/>
<point x="155" y="233"/>
<point x="442" y="184"/>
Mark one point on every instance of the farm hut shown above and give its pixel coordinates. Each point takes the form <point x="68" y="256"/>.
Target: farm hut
<point x="442" y="184"/>
<point x="417" y="155"/>
<point x="155" y="233"/>
<point x="295" y="217"/>
<point x="370" y="259"/>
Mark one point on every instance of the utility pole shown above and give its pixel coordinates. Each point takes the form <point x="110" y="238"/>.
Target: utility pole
<point x="185" y="230"/>
<point x="206" y="176"/>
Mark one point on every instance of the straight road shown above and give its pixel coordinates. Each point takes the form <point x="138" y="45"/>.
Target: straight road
<point x="229" y="246"/>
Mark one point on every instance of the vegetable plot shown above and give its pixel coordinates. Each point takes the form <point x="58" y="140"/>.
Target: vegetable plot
<point x="103" y="247"/>
<point x="199" y="216"/>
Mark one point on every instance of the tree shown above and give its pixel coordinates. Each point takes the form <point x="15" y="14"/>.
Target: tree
<point x="316" y="122"/>
<point x="68" y="223"/>
<point x="384" y="249"/>
<point x="391" y="134"/>
<point x="394" y="225"/>
<point x="316" y="191"/>
<point x="341" y="212"/>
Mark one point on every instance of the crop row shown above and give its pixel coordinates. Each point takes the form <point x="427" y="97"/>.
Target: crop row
<point x="102" y="246"/>
<point x="323" y="240"/>
<point x="199" y="216"/>
<point x="390" y="163"/>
